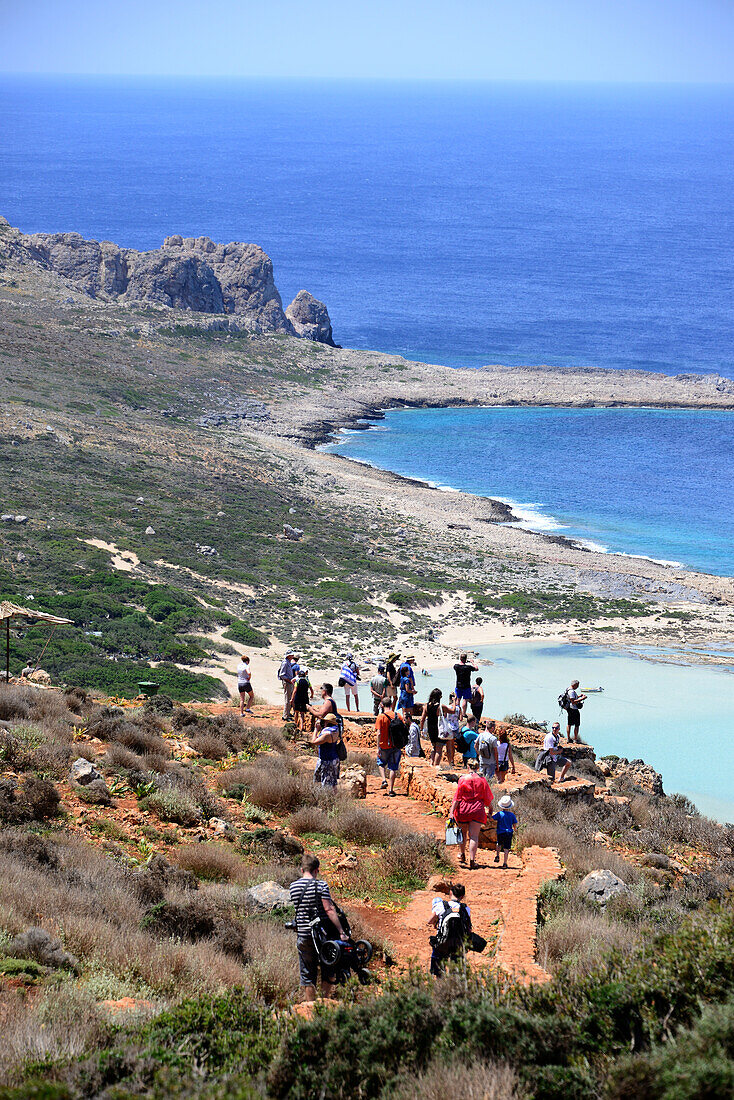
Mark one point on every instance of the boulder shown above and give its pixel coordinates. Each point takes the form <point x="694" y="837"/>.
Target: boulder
<point x="634" y="773"/>
<point x="353" y="781"/>
<point x="37" y="944"/>
<point x="83" y="772"/>
<point x="220" y="826"/>
<point x="310" y="318"/>
<point x="150" y="530"/>
<point x="295" y="534"/>
<point x="601" y="886"/>
<point x="269" y="895"/>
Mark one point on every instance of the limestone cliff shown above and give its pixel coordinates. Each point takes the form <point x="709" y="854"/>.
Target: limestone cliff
<point x="189" y="273"/>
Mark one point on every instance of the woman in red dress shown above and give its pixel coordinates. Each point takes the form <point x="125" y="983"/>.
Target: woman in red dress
<point x="472" y="800"/>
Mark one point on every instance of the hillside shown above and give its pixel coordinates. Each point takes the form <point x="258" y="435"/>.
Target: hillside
<point x="144" y="446"/>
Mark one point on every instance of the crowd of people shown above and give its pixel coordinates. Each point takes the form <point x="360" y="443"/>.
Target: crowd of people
<point x="453" y="730"/>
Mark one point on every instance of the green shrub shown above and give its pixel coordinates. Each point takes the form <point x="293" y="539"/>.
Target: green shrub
<point x="173" y="805"/>
<point x="246" y="635"/>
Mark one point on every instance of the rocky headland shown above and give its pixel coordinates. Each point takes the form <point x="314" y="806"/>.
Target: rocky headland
<point x="187" y="273"/>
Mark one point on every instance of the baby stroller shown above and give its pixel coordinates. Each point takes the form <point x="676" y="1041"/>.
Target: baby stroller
<point x="345" y="957"/>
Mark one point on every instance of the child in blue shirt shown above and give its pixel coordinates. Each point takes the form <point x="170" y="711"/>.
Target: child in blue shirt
<point x="505" y="821"/>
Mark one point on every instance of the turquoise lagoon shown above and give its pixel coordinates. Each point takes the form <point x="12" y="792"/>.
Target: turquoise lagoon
<point x="678" y="718"/>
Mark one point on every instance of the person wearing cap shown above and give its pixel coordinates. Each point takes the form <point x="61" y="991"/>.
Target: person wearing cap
<point x="406" y="698"/>
<point x="378" y="688"/>
<point x="505" y="822"/>
<point x="287" y="676"/>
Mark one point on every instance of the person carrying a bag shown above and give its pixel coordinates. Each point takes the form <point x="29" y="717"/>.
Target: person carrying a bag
<point x="472" y="800"/>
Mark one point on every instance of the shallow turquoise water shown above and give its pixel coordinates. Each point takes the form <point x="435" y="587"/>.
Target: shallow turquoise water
<point x="679" y="719"/>
<point x="651" y="482"/>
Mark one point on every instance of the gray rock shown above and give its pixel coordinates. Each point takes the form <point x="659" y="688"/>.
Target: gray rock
<point x="220" y="826"/>
<point x="601" y="886"/>
<point x="95" y="792"/>
<point x="38" y="945"/>
<point x="295" y="534"/>
<point x="83" y="772"/>
<point x="140" y="500"/>
<point x="204" y="549"/>
<point x="190" y="273"/>
<point x="150" y="530"/>
<point x="20" y="556"/>
<point x="7" y="517"/>
<point x="269" y="895"/>
<point x="21" y="519"/>
<point x="310" y="318"/>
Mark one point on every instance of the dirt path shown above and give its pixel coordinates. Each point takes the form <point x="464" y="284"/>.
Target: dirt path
<point x="503" y="901"/>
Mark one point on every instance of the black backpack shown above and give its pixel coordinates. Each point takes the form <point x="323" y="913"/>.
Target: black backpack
<point x="563" y="700"/>
<point x="399" y="733"/>
<point x="453" y="930"/>
<point x="461" y="744"/>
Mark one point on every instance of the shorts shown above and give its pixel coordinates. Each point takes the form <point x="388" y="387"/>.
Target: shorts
<point x="309" y="963"/>
<point x="245" y="689"/>
<point x="300" y="708"/>
<point x="477" y="711"/>
<point x="487" y="767"/>
<point x="405" y="702"/>
<point x="350" y="689"/>
<point x="463" y="693"/>
<point x="504" y="841"/>
<point x="574" y="718"/>
<point x="389" y="758"/>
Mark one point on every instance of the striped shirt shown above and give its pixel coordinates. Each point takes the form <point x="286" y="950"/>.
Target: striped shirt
<point x="304" y="893"/>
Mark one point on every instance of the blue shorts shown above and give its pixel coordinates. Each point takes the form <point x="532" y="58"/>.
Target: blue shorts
<point x="389" y="758"/>
<point x="405" y="700"/>
<point x="504" y="841"/>
<point x="463" y="693"/>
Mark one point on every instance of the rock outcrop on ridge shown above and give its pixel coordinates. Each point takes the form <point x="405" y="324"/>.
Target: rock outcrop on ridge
<point x="189" y="273"/>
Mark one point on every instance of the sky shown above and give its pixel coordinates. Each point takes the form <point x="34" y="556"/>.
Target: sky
<point x="576" y="40"/>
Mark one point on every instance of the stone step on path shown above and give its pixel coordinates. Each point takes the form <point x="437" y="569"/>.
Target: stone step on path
<point x="503" y="901"/>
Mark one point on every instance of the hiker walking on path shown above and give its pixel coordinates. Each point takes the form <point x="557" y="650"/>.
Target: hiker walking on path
<point x="486" y="747"/>
<point x="287" y="677"/>
<point x="350" y="676"/>
<point x="310" y="896"/>
<point x="378" y="689"/>
<point x="551" y="757"/>
<point x="463" y="672"/>
<point x="505" y="759"/>
<point x="574" y="703"/>
<point x="452" y="921"/>
<point x="388" y="752"/>
<point x="505" y="821"/>
<point x="408" y="689"/>
<point x="469" y="810"/>
<point x="302" y="696"/>
<point x="244" y="685"/>
<point x="477" y="700"/>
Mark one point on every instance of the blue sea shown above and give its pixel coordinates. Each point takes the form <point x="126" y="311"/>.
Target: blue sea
<point x="652" y="482"/>
<point x="455" y="223"/>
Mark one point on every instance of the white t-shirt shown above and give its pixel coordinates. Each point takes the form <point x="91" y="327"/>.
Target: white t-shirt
<point x="572" y="697"/>
<point x="550" y="743"/>
<point x="243" y="673"/>
<point x="438" y="906"/>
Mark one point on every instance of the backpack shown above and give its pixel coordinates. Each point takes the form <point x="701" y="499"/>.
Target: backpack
<point x="563" y="700"/>
<point x="461" y="743"/>
<point x="399" y="733"/>
<point x="453" y="929"/>
<point x="485" y="745"/>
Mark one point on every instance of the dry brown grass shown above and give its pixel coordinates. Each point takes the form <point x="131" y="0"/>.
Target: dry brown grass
<point x="272" y="974"/>
<point x="64" y="1023"/>
<point x="471" y="1080"/>
<point x="210" y="861"/>
<point x="362" y="825"/>
<point x="272" y="785"/>
<point x="90" y="903"/>
<point x="309" y="819"/>
<point x="579" y="939"/>
<point x="209" y="746"/>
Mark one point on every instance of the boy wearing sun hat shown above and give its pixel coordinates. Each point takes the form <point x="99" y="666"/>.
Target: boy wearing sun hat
<point x="505" y="821"/>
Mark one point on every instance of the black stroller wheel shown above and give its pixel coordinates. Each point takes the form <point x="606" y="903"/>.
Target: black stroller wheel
<point x="364" y="951"/>
<point x="364" y="976"/>
<point x="330" y="952"/>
